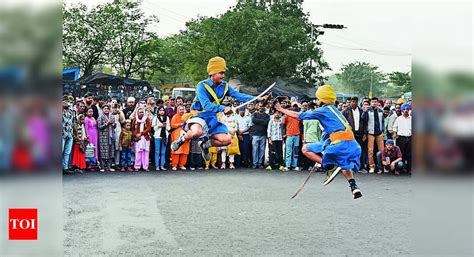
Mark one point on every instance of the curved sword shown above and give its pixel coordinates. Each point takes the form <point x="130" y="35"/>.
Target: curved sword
<point x="255" y="98"/>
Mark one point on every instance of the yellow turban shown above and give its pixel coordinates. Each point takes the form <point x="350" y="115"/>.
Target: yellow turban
<point x="401" y="101"/>
<point x="165" y="98"/>
<point x="326" y="94"/>
<point x="216" y="65"/>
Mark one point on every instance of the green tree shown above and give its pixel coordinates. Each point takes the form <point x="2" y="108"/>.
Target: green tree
<point x="401" y="80"/>
<point x="134" y="49"/>
<point x="259" y="43"/>
<point x="86" y="36"/>
<point x="361" y="77"/>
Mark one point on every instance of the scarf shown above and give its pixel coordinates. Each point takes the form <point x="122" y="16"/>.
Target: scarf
<point x="142" y="144"/>
<point x="111" y="130"/>
<point x="162" y="120"/>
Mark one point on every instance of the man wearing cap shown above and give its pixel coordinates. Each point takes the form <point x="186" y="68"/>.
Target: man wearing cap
<point x="341" y="152"/>
<point x="204" y="123"/>
<point x="390" y="159"/>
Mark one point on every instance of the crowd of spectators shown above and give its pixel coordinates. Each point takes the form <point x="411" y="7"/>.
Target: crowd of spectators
<point x="106" y="135"/>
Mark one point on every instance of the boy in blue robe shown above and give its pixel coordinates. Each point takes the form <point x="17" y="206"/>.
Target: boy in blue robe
<point x="340" y="150"/>
<point x="203" y="122"/>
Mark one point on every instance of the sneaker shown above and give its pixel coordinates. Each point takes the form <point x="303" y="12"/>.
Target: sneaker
<point x="231" y="166"/>
<point x="331" y="174"/>
<point x="268" y="167"/>
<point x="363" y="171"/>
<point x="130" y="169"/>
<point x="286" y="169"/>
<point x="356" y="191"/>
<point x="163" y="169"/>
<point x="281" y="168"/>
<point x="261" y="167"/>
<point x="296" y="169"/>
<point x="192" y="168"/>
<point x="174" y="168"/>
<point x="177" y="143"/>
<point x="385" y="170"/>
<point x="111" y="169"/>
<point x="122" y="170"/>
<point x="204" y="145"/>
<point x="397" y="173"/>
<point x="379" y="172"/>
<point x="223" y="166"/>
<point x="182" y="168"/>
<point x="372" y="170"/>
<point x="102" y="170"/>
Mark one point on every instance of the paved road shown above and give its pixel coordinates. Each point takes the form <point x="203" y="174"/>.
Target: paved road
<point x="241" y="212"/>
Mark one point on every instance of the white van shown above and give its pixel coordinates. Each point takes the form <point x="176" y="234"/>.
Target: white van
<point x="184" y="92"/>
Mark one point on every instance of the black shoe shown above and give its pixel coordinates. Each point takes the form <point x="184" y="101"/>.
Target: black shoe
<point x="177" y="143"/>
<point x="355" y="191"/>
<point x="204" y="145"/>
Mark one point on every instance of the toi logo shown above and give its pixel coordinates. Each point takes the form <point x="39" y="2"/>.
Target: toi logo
<point x="23" y="224"/>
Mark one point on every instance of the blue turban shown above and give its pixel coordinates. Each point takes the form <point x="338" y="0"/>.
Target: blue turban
<point x="390" y="142"/>
<point x="405" y="107"/>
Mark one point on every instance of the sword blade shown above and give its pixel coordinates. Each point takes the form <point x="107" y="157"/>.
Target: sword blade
<point x="255" y="98"/>
<point x="305" y="181"/>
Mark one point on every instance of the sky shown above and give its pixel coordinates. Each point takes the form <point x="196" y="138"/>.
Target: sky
<point x="380" y="33"/>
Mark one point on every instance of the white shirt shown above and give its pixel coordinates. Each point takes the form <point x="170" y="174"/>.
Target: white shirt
<point x="156" y="122"/>
<point x="356" y="115"/>
<point x="243" y="122"/>
<point x="402" y="126"/>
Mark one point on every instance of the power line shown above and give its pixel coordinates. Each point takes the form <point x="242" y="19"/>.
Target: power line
<point x="380" y="52"/>
<point x="385" y="44"/>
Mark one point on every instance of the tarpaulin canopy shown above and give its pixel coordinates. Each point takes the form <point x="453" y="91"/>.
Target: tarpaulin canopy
<point x="111" y="80"/>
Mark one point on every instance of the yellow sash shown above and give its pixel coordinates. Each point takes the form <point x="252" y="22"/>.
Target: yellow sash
<point x="217" y="100"/>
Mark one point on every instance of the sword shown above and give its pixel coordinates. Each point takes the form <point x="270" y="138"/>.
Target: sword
<point x="255" y="98"/>
<point x="306" y="180"/>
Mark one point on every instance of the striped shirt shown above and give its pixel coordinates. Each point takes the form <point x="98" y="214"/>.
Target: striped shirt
<point x="274" y="129"/>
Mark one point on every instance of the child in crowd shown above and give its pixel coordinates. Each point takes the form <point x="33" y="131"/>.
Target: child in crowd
<point x="196" y="161"/>
<point x="126" y="147"/>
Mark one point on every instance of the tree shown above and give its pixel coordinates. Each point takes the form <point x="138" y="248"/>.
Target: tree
<point x="401" y="80"/>
<point x="361" y="78"/>
<point x="259" y="43"/>
<point x="134" y="49"/>
<point x="86" y="36"/>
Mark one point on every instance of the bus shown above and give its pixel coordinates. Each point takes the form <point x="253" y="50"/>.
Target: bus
<point x="184" y="92"/>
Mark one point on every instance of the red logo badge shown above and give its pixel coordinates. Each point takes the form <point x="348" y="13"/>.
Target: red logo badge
<point x="23" y="224"/>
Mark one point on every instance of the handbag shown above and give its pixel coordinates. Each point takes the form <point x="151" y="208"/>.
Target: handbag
<point x="83" y="145"/>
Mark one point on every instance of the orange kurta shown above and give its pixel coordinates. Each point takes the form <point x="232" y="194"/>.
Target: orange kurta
<point x="177" y="127"/>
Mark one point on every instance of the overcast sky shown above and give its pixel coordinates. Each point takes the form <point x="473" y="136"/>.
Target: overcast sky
<point x="379" y="33"/>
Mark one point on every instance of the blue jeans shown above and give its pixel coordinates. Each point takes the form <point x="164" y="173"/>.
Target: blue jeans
<point x="258" y="149"/>
<point x="67" y="148"/>
<point x="126" y="157"/>
<point x="160" y="150"/>
<point x="292" y="144"/>
<point x="398" y="166"/>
